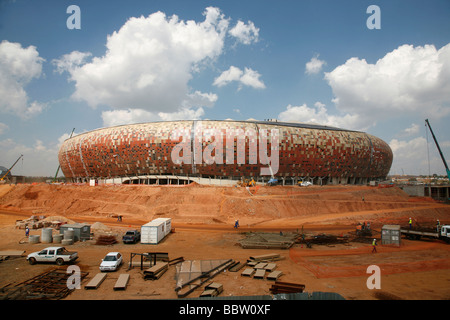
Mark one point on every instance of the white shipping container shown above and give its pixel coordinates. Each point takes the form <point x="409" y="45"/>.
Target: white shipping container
<point x="154" y="231"/>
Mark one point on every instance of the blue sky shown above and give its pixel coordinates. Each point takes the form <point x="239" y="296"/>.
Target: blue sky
<point x="306" y="61"/>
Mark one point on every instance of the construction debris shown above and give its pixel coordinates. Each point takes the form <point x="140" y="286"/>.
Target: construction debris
<point x="286" y="287"/>
<point x="266" y="240"/>
<point x="48" y="285"/>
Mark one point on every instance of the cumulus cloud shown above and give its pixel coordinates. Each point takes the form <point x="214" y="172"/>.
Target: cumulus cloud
<point x="319" y="114"/>
<point x="245" y="33"/>
<point x="248" y="77"/>
<point x="408" y="79"/>
<point x="18" y="67"/>
<point x="315" y="65"/>
<point x="148" y="63"/>
<point x="71" y="61"/>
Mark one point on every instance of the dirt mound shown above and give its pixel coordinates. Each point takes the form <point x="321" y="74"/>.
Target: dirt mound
<point x="258" y="206"/>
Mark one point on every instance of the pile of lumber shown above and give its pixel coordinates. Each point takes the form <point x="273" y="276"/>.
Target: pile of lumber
<point x="155" y="272"/>
<point x="286" y="287"/>
<point x="106" y="240"/>
<point x="212" y="290"/>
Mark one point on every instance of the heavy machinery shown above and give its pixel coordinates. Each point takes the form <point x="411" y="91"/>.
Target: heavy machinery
<point x="59" y="166"/>
<point x="439" y="149"/>
<point x="4" y="176"/>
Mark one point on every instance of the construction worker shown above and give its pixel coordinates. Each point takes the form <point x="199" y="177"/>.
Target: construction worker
<point x="410" y="223"/>
<point x="236" y="224"/>
<point x="438" y="225"/>
<point x="374" y="245"/>
<point x="27" y="231"/>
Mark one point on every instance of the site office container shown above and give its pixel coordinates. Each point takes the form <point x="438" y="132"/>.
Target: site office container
<point x="390" y="234"/>
<point x="154" y="231"/>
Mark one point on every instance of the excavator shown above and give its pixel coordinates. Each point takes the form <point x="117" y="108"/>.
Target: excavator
<point x="427" y="123"/>
<point x="6" y="174"/>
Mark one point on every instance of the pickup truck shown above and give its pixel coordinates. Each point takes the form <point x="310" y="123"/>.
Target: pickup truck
<point x="58" y="255"/>
<point x="132" y="236"/>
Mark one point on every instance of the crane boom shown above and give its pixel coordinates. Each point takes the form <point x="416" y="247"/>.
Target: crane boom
<point x="439" y="149"/>
<point x="59" y="166"/>
<point x="11" y="168"/>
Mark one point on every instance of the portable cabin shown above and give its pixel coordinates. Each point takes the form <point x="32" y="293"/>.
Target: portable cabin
<point x="390" y="234"/>
<point x="154" y="231"/>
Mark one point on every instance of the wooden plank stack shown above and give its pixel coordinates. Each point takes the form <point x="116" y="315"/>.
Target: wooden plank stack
<point x="155" y="272"/>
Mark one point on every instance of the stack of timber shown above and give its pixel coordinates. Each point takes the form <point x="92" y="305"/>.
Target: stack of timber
<point x="106" y="240"/>
<point x="286" y="287"/>
<point x="155" y="272"/>
<point x="212" y="290"/>
<point x="266" y="240"/>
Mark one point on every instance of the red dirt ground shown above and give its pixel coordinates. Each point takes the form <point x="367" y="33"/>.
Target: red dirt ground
<point x="203" y="216"/>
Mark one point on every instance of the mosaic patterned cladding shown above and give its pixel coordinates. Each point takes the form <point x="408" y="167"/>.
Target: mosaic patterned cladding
<point x="146" y="149"/>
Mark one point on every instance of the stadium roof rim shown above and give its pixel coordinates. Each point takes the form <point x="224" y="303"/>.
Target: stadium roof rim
<point x="273" y="123"/>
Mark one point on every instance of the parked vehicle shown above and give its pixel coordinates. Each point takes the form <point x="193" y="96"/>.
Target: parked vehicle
<point x="443" y="234"/>
<point x="111" y="262"/>
<point x="58" y="255"/>
<point x="131" y="236"/>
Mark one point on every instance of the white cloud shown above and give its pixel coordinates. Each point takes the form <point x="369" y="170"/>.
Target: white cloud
<point x="245" y="33"/>
<point x="148" y="63"/>
<point x="412" y="130"/>
<point x="39" y="158"/>
<point x="247" y="77"/>
<point x="18" y="67"/>
<point x="315" y="65"/>
<point x="70" y="61"/>
<point x="408" y="79"/>
<point x="320" y="115"/>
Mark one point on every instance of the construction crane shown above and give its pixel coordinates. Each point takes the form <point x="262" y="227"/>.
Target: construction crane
<point x="4" y="176"/>
<point x="439" y="149"/>
<point x="59" y="166"/>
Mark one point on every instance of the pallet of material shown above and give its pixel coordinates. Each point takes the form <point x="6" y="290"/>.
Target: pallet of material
<point x="259" y="274"/>
<point x="270" y="267"/>
<point x="248" y="272"/>
<point x="274" y="275"/>
<point x="96" y="281"/>
<point x="122" y="282"/>
<point x="260" y="265"/>
<point x="286" y="287"/>
<point x="156" y="271"/>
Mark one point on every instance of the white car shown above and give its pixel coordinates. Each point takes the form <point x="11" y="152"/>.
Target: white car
<point x="306" y="184"/>
<point x="111" y="262"/>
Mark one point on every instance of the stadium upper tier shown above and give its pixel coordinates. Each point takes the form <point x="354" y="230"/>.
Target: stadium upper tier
<point x="226" y="149"/>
